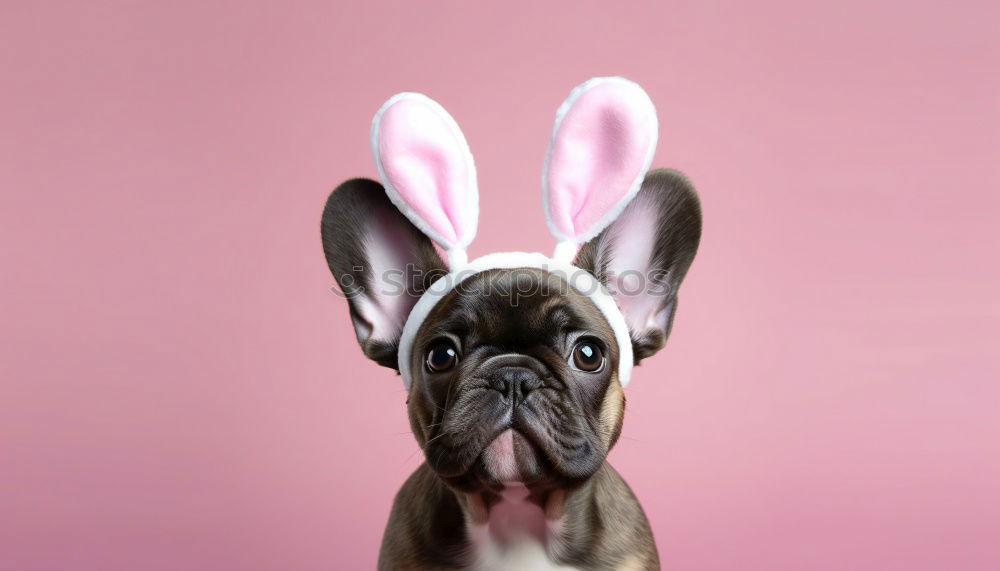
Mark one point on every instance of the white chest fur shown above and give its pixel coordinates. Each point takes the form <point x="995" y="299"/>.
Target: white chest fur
<point x="525" y="556"/>
<point x="515" y="536"/>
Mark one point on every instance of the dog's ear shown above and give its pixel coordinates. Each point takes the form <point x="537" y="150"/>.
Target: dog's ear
<point x="381" y="261"/>
<point x="645" y="253"/>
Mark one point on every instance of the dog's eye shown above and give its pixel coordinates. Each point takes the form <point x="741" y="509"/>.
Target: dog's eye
<point x="441" y="357"/>
<point x="588" y="357"/>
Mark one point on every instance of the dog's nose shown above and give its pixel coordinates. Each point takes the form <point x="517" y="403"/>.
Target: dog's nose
<point x="516" y="382"/>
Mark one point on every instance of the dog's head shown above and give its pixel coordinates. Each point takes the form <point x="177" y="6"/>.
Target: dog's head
<point x="514" y="374"/>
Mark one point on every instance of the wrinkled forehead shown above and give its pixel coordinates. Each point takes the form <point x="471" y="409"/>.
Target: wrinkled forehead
<point x="517" y="305"/>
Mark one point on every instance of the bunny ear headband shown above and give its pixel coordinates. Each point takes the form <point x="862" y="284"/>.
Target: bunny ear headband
<point x="602" y="145"/>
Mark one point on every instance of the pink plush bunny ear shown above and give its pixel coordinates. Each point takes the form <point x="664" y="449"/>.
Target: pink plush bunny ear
<point x="602" y="145"/>
<point x="427" y="169"/>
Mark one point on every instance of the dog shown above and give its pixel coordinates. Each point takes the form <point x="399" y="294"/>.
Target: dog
<point x="515" y="392"/>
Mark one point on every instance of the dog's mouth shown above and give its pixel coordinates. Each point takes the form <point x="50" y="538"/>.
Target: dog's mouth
<point x="488" y="440"/>
<point x="520" y="454"/>
<point x="512" y="458"/>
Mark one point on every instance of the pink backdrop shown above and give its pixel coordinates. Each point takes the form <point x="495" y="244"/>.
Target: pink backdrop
<point x="180" y="390"/>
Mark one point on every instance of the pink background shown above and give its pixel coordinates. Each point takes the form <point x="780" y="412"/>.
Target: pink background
<point x="180" y="390"/>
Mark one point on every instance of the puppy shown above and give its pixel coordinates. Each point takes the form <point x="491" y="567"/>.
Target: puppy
<point x="514" y="390"/>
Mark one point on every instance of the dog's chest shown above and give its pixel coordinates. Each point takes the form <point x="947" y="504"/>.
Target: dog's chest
<point x="514" y="537"/>
<point x="522" y="556"/>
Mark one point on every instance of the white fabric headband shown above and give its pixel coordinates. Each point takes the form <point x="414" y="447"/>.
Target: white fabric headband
<point x="602" y="145"/>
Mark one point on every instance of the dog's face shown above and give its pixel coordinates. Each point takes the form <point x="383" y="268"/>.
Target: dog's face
<point x="514" y="372"/>
<point x="515" y="379"/>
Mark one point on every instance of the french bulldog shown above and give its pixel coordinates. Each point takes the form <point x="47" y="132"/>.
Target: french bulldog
<point x="515" y="397"/>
